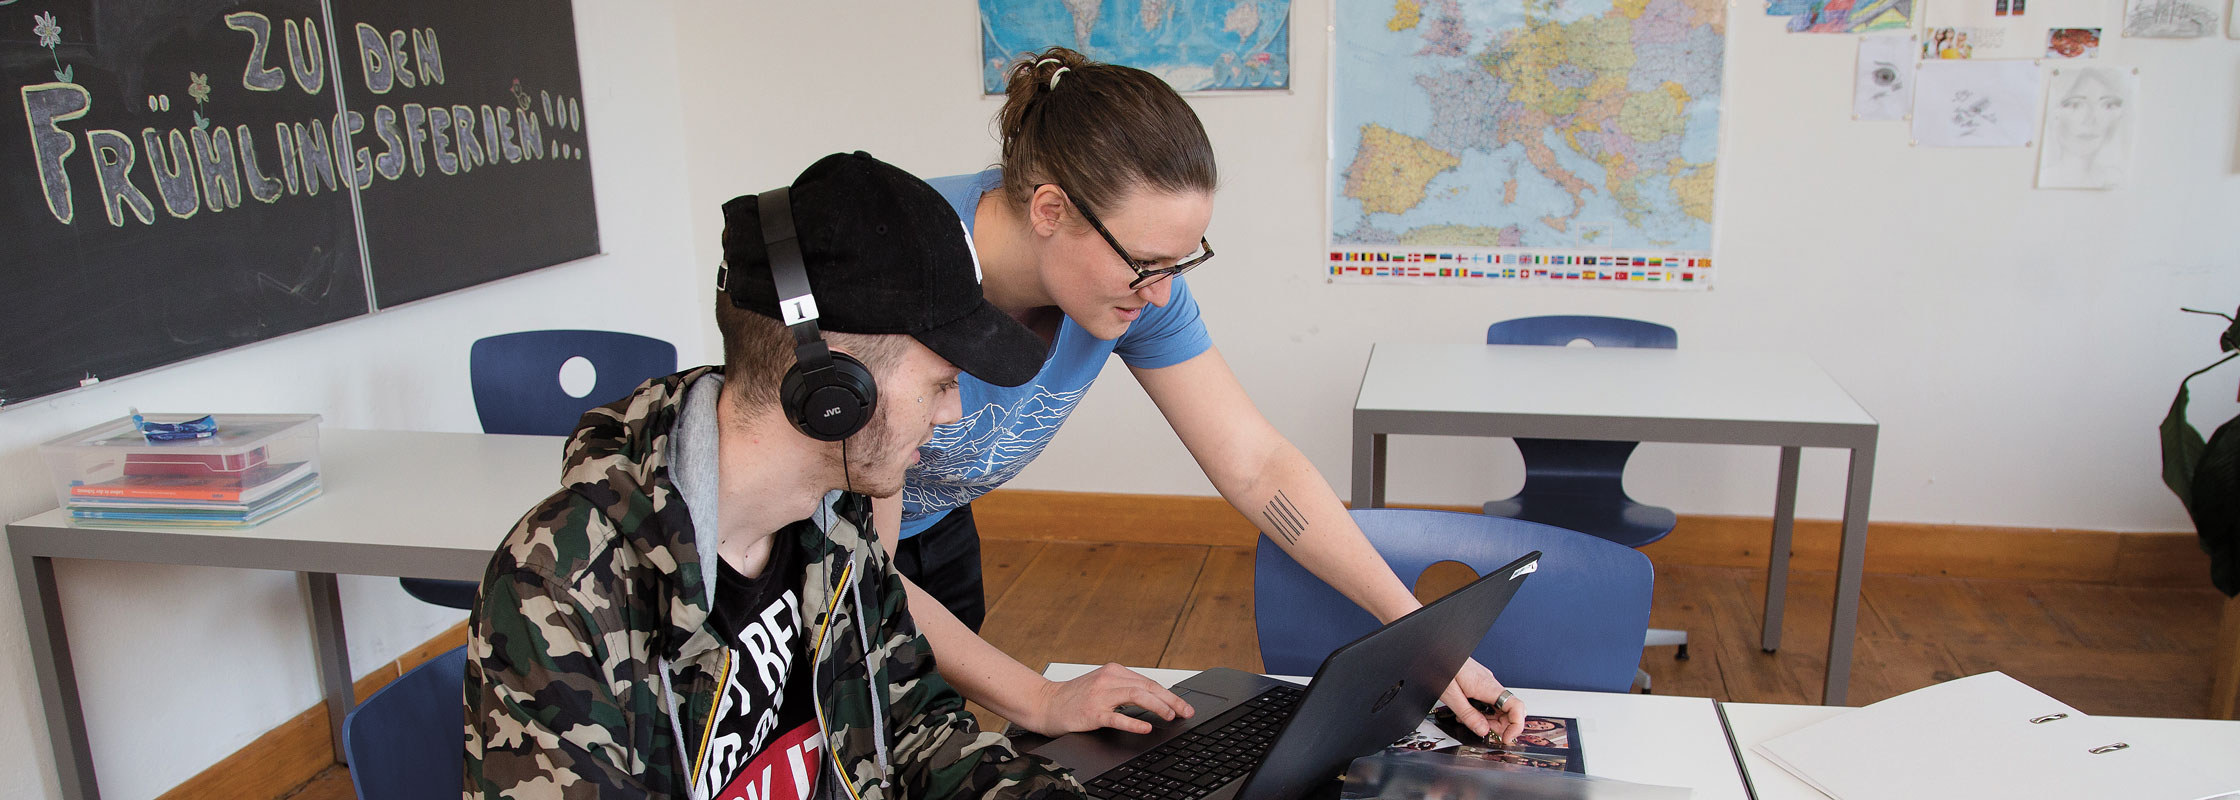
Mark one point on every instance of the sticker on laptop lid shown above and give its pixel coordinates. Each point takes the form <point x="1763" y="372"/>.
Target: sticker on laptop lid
<point x="1525" y="570"/>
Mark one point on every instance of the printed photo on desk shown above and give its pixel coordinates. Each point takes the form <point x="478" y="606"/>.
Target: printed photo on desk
<point x="1546" y="743"/>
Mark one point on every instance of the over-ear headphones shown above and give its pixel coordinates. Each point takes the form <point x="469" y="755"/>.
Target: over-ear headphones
<point x="828" y="396"/>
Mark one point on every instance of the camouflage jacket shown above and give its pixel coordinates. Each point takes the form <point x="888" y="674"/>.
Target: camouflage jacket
<point x="590" y="651"/>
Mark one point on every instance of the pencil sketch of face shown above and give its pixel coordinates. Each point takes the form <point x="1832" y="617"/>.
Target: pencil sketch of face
<point x="2087" y="134"/>
<point x="2088" y="113"/>
<point x="1972" y="113"/>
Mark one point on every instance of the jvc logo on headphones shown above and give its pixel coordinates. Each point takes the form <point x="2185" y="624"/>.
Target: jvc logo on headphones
<point x="832" y="412"/>
<point x="1525" y="570"/>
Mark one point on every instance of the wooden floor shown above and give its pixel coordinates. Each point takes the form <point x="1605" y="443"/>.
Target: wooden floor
<point x="2104" y="649"/>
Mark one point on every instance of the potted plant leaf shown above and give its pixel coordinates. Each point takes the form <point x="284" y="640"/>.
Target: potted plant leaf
<point x="2206" y="477"/>
<point x="2206" y="474"/>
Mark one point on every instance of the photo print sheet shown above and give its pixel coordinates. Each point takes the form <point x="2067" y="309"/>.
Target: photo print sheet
<point x="1978" y="29"/>
<point x="1975" y="104"/>
<point x="2073" y="43"/>
<point x="2169" y="19"/>
<point x="1884" y="89"/>
<point x="2089" y="119"/>
<point x="1546" y="742"/>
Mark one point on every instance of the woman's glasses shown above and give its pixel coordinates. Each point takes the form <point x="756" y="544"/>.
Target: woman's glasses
<point x="1147" y="272"/>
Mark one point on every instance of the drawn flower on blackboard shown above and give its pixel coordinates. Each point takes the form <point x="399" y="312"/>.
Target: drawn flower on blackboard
<point x="198" y="87"/>
<point x="50" y="34"/>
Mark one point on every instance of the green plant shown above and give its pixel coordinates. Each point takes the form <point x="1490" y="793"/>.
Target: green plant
<point x="2206" y="474"/>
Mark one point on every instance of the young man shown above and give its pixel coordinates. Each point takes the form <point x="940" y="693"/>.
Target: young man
<point x="701" y="611"/>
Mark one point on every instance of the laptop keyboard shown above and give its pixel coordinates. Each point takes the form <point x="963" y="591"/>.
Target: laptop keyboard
<point x="1196" y="763"/>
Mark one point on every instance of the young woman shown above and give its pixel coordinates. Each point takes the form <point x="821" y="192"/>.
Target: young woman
<point x="1083" y="233"/>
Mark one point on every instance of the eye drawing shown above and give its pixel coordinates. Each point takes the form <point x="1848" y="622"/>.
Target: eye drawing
<point x="1885" y="75"/>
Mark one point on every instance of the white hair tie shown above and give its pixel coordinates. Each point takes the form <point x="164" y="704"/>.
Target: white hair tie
<point x="1054" y="75"/>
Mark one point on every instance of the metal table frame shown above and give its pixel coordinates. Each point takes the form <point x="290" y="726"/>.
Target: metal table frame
<point x="1776" y="400"/>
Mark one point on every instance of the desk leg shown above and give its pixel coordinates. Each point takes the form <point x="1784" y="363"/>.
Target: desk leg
<point x="2224" y="689"/>
<point x="1368" y="468"/>
<point x="333" y="653"/>
<point x="58" y="680"/>
<point x="1777" y="557"/>
<point x="1849" y="571"/>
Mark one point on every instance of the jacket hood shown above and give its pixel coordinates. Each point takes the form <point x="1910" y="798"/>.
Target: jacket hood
<point x="618" y="459"/>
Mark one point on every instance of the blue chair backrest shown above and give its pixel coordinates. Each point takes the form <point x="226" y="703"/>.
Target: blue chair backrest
<point x="1577" y="623"/>
<point x="1587" y="475"/>
<point x="1559" y="330"/>
<point x="406" y="741"/>
<point x="516" y="376"/>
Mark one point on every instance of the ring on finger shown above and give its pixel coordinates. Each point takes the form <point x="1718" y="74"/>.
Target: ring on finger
<point x="1501" y="703"/>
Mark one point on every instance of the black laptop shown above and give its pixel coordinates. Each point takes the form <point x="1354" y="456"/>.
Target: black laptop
<point x="1257" y="738"/>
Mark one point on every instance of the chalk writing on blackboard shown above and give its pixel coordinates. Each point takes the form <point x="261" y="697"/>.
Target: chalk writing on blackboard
<point x="308" y="156"/>
<point x="186" y="176"/>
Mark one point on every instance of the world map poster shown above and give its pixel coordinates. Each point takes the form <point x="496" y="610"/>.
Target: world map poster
<point x="1526" y="140"/>
<point x="1195" y="45"/>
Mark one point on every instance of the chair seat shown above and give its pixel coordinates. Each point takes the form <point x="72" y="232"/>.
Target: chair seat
<point x="1617" y="519"/>
<point x="449" y="594"/>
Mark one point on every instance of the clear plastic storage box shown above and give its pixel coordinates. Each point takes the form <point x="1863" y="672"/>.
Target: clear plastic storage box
<point x="254" y="466"/>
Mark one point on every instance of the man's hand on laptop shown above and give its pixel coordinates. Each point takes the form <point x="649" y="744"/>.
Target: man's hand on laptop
<point x="1092" y="701"/>
<point x="1475" y="682"/>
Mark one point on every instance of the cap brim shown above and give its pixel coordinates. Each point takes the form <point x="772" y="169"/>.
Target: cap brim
<point x="988" y="344"/>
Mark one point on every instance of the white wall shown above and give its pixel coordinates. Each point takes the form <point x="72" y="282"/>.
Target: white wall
<point x="180" y="667"/>
<point x="2018" y="346"/>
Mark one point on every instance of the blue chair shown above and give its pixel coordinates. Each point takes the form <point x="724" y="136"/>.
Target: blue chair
<point x="1580" y="484"/>
<point x="1576" y="624"/>
<point x="516" y="376"/>
<point x="516" y="382"/>
<point x="405" y="741"/>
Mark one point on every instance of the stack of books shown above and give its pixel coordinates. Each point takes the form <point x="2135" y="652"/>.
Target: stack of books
<point x="228" y="490"/>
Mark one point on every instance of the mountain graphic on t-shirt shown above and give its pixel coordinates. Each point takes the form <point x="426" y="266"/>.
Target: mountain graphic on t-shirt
<point x="986" y="448"/>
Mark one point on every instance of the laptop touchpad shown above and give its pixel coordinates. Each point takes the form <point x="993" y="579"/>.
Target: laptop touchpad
<point x="1196" y="699"/>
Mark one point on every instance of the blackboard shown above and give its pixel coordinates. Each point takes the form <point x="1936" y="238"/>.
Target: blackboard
<point x="185" y="176"/>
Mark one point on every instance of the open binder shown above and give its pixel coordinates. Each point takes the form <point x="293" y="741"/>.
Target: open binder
<point x="1989" y="735"/>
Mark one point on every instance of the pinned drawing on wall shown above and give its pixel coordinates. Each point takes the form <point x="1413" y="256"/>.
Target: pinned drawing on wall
<point x="2089" y="119"/>
<point x="2169" y="19"/>
<point x="2073" y="43"/>
<point x="1975" y="103"/>
<point x="1884" y="88"/>
<point x="1844" y="16"/>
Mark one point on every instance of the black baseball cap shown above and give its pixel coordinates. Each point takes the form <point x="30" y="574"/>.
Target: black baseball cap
<point x="885" y="254"/>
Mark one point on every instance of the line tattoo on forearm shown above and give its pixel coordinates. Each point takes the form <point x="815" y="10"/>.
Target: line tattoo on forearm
<point x="1284" y="519"/>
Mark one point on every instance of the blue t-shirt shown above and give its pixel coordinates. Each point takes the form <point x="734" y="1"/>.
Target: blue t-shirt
<point x="1004" y="429"/>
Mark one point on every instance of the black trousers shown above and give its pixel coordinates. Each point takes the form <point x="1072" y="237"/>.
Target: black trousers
<point x="944" y="560"/>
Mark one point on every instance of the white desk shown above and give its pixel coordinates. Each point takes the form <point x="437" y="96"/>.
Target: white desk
<point x="424" y="505"/>
<point x="1635" y="394"/>
<point x="1653" y="739"/>
<point x="1753" y="723"/>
